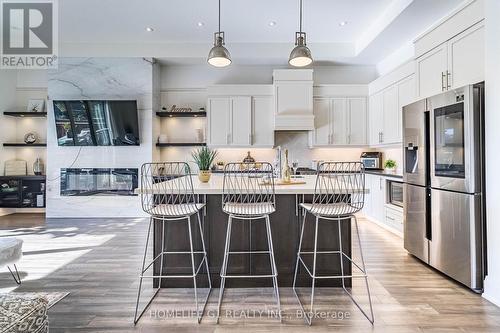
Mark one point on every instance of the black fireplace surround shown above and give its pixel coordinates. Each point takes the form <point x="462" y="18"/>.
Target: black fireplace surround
<point x="98" y="181"/>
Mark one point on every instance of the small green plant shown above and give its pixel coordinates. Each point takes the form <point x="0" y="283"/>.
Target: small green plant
<point x="204" y="157"/>
<point x="390" y="164"/>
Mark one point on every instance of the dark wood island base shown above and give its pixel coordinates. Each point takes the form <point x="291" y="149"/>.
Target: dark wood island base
<point x="285" y="226"/>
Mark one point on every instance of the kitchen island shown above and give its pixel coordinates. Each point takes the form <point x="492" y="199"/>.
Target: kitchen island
<point x="285" y="226"/>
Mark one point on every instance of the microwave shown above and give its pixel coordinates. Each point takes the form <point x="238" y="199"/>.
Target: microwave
<point x="371" y="160"/>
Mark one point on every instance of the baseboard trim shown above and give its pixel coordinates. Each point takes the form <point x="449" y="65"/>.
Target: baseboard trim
<point x="384" y="226"/>
<point x="492" y="299"/>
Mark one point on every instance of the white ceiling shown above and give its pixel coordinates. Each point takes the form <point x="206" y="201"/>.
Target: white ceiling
<point x="375" y="28"/>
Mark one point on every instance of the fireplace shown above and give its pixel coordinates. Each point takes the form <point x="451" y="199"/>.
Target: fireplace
<point x="98" y="181"/>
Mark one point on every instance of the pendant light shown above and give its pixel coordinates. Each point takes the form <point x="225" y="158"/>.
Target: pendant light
<point x="300" y="55"/>
<point x="219" y="56"/>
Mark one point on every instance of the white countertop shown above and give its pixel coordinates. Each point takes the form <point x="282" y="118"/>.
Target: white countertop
<point x="214" y="186"/>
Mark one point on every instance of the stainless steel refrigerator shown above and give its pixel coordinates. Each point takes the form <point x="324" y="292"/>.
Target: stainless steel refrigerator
<point x="444" y="189"/>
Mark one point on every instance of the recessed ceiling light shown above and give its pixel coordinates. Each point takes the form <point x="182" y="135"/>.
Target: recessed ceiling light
<point x="342" y="23"/>
<point x="149" y="29"/>
<point x="272" y="23"/>
<point x="200" y="24"/>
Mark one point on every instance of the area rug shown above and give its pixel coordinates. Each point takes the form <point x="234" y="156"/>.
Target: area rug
<point x="51" y="297"/>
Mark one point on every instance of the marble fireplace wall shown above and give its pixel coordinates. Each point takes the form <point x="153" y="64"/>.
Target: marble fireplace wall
<point x="98" y="78"/>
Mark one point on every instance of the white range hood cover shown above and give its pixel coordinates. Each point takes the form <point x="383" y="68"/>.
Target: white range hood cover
<point x="293" y="93"/>
<point x="294" y="122"/>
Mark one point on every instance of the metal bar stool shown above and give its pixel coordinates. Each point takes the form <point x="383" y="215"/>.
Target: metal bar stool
<point x="338" y="195"/>
<point x="167" y="196"/>
<point x="248" y="194"/>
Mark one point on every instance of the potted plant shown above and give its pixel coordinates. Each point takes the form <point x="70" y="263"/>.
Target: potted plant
<point x="204" y="158"/>
<point x="390" y="165"/>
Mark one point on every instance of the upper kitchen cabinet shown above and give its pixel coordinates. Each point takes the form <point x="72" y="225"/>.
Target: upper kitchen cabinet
<point x="339" y="121"/>
<point x="322" y="122"/>
<point x="293" y="99"/>
<point x="376" y="118"/>
<point x="388" y="96"/>
<point x="262" y="121"/>
<point x="357" y="131"/>
<point x="406" y="95"/>
<point x="391" y="116"/>
<point x="431" y="69"/>
<point x="240" y="116"/>
<point x="465" y="57"/>
<point x="451" y="54"/>
<point x="219" y="127"/>
<point x="229" y="121"/>
<point x="241" y="121"/>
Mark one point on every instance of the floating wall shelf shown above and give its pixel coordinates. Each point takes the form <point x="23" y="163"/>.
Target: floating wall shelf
<point x="181" y="114"/>
<point x="25" y="114"/>
<point x="181" y="144"/>
<point x="25" y="145"/>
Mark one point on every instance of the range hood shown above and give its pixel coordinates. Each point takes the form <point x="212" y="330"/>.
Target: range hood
<point x="294" y="122"/>
<point x="293" y="94"/>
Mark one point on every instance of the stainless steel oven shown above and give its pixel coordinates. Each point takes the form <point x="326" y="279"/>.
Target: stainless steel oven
<point x="395" y="193"/>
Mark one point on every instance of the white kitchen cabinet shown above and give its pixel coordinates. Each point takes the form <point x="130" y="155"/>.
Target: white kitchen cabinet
<point x="431" y="71"/>
<point x="322" y="122"/>
<point x="406" y="95"/>
<point x="229" y="121"/>
<point x="455" y="63"/>
<point x="375" y="200"/>
<point x="466" y="57"/>
<point x="357" y="132"/>
<point x="219" y="129"/>
<point x="378" y="198"/>
<point x="391" y="115"/>
<point x="376" y="118"/>
<point x="262" y="121"/>
<point x="241" y="121"/>
<point x="394" y="217"/>
<point x="367" y="207"/>
<point x="386" y="111"/>
<point x="339" y="121"/>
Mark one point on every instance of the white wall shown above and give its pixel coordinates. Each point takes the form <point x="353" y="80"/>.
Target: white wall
<point x="492" y="107"/>
<point x="99" y="78"/>
<point x="8" y="80"/>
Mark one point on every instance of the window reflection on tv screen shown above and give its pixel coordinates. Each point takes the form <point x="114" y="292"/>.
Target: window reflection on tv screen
<point x="96" y="123"/>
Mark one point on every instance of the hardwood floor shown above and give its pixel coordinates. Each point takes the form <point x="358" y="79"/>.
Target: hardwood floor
<point x="98" y="260"/>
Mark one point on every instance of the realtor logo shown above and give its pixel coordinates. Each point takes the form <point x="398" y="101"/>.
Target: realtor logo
<point x="29" y="34"/>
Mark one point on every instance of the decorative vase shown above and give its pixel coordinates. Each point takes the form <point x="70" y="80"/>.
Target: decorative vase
<point x="38" y="167"/>
<point x="204" y="176"/>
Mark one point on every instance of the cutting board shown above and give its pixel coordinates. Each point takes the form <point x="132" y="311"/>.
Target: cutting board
<point x="293" y="182"/>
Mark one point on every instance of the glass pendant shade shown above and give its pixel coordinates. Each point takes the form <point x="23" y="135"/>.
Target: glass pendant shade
<point x="219" y="56"/>
<point x="300" y="55"/>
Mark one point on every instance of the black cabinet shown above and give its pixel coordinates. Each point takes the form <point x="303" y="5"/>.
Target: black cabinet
<point x="22" y="191"/>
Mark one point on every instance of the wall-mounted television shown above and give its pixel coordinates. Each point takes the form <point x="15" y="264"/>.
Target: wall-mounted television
<point x="96" y="123"/>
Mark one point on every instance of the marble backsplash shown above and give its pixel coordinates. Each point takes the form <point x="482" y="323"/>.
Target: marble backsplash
<point x="296" y="142"/>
